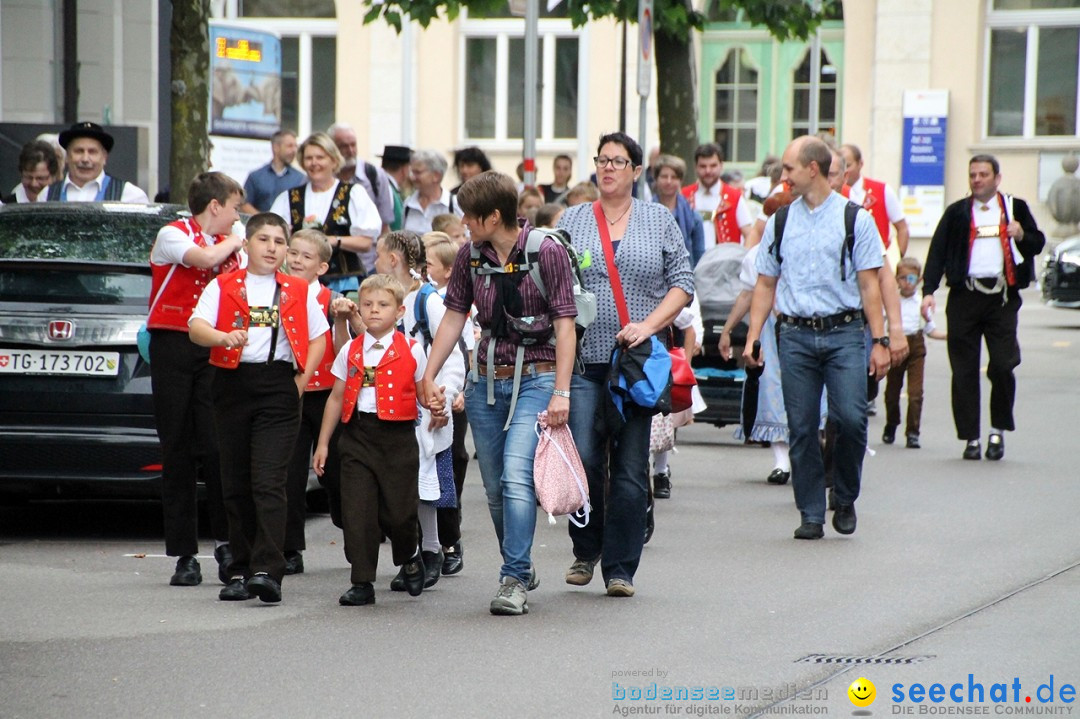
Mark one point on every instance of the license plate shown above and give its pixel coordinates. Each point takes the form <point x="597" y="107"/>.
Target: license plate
<point x="53" y="362"/>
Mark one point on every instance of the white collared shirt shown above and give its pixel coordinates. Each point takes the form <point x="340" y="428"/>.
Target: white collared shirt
<point x="987" y="257"/>
<point x="418" y="219"/>
<point x="372" y="357"/>
<point x="89" y="191"/>
<point x="705" y="203"/>
<point x="21" y="197"/>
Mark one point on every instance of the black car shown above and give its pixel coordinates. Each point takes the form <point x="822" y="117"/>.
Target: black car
<point x="1061" y="275"/>
<point x="76" y="414"/>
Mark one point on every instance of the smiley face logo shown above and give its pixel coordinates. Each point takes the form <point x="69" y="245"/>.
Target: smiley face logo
<point x="862" y="692"/>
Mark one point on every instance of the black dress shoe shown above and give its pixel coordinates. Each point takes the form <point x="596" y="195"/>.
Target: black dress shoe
<point x="995" y="447"/>
<point x="889" y="435"/>
<point x="414" y="575"/>
<point x="809" y="530"/>
<point x="453" y="560"/>
<point x="650" y="522"/>
<point x="973" y="450"/>
<point x="187" y="572"/>
<point x="397" y="584"/>
<point x="294" y="562"/>
<point x="358" y="595"/>
<point x="661" y="482"/>
<point x="913" y="441"/>
<point x="843" y="520"/>
<point x="778" y="476"/>
<point x="234" y="591"/>
<point x="433" y="562"/>
<point x="223" y="556"/>
<point x="264" y="587"/>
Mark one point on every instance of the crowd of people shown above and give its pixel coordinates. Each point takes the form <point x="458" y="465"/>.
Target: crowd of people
<point x="369" y="314"/>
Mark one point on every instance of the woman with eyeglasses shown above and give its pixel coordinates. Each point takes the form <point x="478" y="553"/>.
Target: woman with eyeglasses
<point x="653" y="265"/>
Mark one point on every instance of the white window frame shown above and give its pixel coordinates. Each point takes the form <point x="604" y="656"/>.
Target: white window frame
<point x="735" y="86"/>
<point x="796" y="86"/>
<point x="503" y="30"/>
<point x="303" y="29"/>
<point x="1033" y="20"/>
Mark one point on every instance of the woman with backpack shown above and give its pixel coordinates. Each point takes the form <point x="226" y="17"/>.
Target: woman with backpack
<point x="523" y="363"/>
<point x="640" y="246"/>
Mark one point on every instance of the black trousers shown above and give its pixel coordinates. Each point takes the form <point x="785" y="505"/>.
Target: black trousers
<point x="257" y="407"/>
<point x="380" y="465"/>
<point x="450" y="517"/>
<point x="971" y="318"/>
<point x="180" y="378"/>
<point x="311" y="416"/>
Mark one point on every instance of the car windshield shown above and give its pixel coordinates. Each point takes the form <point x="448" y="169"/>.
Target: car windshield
<point x="87" y="233"/>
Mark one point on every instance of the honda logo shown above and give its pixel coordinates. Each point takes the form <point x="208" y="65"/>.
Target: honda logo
<point x="61" y="330"/>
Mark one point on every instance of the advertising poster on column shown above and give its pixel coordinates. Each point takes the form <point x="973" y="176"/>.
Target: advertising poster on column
<point x="922" y="173"/>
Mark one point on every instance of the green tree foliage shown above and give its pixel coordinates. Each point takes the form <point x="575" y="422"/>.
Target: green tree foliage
<point x="675" y="21"/>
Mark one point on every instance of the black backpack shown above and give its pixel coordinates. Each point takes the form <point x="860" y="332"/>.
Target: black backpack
<point x="851" y="211"/>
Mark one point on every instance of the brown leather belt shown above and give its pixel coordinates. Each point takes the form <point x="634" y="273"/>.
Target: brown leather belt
<point x="506" y="371"/>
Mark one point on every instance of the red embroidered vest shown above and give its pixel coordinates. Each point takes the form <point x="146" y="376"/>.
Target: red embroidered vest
<point x="176" y="299"/>
<point x="724" y="218"/>
<point x="234" y="313"/>
<point x="322" y="379"/>
<point x="874" y="203"/>
<point x="394" y="381"/>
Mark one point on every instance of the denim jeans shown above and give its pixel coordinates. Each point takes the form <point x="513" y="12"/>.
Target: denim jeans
<point x="835" y="359"/>
<point x="506" y="461"/>
<point x="617" y="467"/>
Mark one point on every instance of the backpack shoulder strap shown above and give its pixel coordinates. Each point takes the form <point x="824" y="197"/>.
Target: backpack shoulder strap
<point x="851" y="213"/>
<point x="373" y="177"/>
<point x="532" y="257"/>
<point x="778" y="232"/>
<point x="420" y="313"/>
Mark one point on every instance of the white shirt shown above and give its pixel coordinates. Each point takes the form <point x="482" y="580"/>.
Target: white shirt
<point x="173" y="243"/>
<point x="418" y="219"/>
<point x="260" y="293"/>
<point x="89" y="191"/>
<point x="892" y="203"/>
<point x="690" y="316"/>
<point x="372" y="356"/>
<point x="20" y="194"/>
<point x="452" y="374"/>
<point x="364" y="218"/>
<point x="987" y="258"/>
<point x="705" y="203"/>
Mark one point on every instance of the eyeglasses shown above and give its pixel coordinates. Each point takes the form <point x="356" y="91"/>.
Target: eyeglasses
<point x="619" y="163"/>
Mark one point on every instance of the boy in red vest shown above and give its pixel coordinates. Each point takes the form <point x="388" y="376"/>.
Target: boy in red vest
<point x="267" y="334"/>
<point x="309" y="259"/>
<point x="375" y="396"/>
<point x="187" y="254"/>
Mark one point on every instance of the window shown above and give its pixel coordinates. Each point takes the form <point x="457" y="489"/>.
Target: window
<point x="1033" y="68"/>
<point x="493" y="80"/>
<point x="827" y="109"/>
<point x="736" y="108"/>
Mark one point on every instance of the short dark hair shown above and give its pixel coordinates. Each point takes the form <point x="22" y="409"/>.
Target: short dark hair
<point x="471" y="155"/>
<point x="489" y="191"/>
<point x="546" y="213"/>
<point x="35" y="152"/>
<point x="988" y="159"/>
<point x="708" y="149"/>
<point x="562" y="157"/>
<point x="281" y="134"/>
<point x="815" y="150"/>
<point x="262" y="219"/>
<point x="854" y="149"/>
<point x="209" y="186"/>
<point x="629" y="144"/>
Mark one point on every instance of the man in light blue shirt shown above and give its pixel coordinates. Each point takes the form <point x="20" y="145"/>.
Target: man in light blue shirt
<point x="266" y="183"/>
<point x="825" y="292"/>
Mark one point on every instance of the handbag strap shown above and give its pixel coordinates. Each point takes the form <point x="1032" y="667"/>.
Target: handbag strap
<point x="613" y="271"/>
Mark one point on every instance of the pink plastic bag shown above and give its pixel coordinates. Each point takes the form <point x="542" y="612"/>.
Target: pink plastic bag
<point x="558" y="474"/>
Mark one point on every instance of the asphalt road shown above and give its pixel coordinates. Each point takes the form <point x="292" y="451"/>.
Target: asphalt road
<point x="957" y="569"/>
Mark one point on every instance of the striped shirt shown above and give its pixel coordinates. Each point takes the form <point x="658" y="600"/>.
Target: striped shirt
<point x="465" y="290"/>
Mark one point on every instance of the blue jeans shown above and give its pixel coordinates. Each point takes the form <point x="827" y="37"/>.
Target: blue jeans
<point x="617" y="467"/>
<point x="506" y="461"/>
<point x="835" y="359"/>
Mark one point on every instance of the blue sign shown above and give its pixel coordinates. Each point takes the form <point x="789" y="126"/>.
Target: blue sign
<point x="923" y="151"/>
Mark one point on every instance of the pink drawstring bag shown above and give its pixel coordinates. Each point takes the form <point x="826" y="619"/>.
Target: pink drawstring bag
<point x="558" y="474"/>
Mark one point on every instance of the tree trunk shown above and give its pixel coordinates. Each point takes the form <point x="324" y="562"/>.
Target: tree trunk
<point x="676" y="98"/>
<point x="190" y="50"/>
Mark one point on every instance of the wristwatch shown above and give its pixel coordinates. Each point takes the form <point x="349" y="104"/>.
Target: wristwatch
<point x="883" y="341"/>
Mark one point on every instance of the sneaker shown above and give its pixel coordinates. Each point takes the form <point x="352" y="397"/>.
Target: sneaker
<point x="913" y="441"/>
<point x="619" y="588"/>
<point x="844" y="519"/>
<point x="809" y="530"/>
<point x="187" y="572"/>
<point x="511" y="598"/>
<point x="871" y="408"/>
<point x="534" y="578"/>
<point x="581" y="571"/>
<point x="661" y="482"/>
<point x="888" y="436"/>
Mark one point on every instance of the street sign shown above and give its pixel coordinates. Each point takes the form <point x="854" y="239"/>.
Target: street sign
<point x="922" y="169"/>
